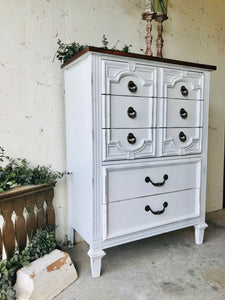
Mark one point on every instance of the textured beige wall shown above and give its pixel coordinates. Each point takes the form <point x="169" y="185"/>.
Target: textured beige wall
<point x="31" y="87"/>
<point x="31" y="90"/>
<point x="196" y="32"/>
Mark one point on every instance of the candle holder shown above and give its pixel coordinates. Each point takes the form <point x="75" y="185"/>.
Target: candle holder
<point x="148" y="15"/>
<point x="159" y="42"/>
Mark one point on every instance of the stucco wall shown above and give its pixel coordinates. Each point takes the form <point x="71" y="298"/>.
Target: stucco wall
<point x="32" y="120"/>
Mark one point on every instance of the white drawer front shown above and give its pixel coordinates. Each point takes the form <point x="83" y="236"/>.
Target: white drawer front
<point x="182" y="84"/>
<point x="126" y="182"/>
<point x="128" y="112"/>
<point x="128" y="143"/>
<point x="130" y="216"/>
<point x="180" y="113"/>
<point x="128" y="78"/>
<point x="180" y="141"/>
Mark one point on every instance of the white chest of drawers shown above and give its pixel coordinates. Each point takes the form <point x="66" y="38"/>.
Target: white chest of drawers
<point x="136" y="146"/>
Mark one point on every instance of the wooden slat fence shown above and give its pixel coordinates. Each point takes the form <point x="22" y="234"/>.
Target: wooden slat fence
<point x="37" y="202"/>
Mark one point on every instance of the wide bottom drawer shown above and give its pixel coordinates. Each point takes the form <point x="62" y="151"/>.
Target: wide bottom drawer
<point x="133" y="215"/>
<point x="125" y="182"/>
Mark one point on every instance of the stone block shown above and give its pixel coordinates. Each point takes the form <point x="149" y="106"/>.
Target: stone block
<point x="46" y="277"/>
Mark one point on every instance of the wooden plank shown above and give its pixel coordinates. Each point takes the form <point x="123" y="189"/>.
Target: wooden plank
<point x="41" y="215"/>
<point x="8" y="229"/>
<point x="17" y="199"/>
<point x="139" y="56"/>
<point x="31" y="218"/>
<point x="50" y="212"/>
<point x="25" y="190"/>
<point x="1" y="238"/>
<point x="1" y="244"/>
<point x="20" y="224"/>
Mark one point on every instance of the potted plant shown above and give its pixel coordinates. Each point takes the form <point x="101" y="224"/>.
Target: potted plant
<point x="18" y="172"/>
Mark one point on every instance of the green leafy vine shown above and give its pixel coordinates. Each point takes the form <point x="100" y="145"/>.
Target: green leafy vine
<point x="43" y="242"/>
<point x="66" y="51"/>
<point x="14" y="172"/>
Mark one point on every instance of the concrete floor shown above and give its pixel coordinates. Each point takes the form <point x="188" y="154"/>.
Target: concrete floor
<point x="169" y="266"/>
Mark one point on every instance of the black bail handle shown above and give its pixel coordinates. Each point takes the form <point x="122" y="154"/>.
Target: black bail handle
<point x="148" y="179"/>
<point x="157" y="212"/>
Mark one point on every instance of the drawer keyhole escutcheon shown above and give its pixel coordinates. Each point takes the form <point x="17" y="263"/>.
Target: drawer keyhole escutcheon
<point x="131" y="112"/>
<point x="131" y="138"/>
<point x="148" y="179"/>
<point x="182" y="137"/>
<point x="132" y="86"/>
<point x="184" y="91"/>
<point x="183" y="113"/>
<point x="157" y="212"/>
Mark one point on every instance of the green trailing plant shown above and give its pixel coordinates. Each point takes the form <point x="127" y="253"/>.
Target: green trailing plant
<point x="43" y="242"/>
<point x="126" y="48"/>
<point x="14" y="172"/>
<point x="6" y="289"/>
<point x="66" y="51"/>
<point x="105" y="42"/>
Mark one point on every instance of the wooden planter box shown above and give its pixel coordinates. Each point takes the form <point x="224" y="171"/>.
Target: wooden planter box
<point x="34" y="201"/>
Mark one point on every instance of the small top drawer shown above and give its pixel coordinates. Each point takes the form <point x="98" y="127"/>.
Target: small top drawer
<point x="128" y="112"/>
<point x="179" y="84"/>
<point x="128" y="79"/>
<point x="180" y="113"/>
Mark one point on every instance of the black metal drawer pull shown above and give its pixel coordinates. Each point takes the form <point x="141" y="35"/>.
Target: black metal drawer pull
<point x="184" y="91"/>
<point x="131" y="138"/>
<point x="182" y="137"/>
<point x="148" y="179"/>
<point x="183" y="113"/>
<point x="131" y="112"/>
<point x="157" y="212"/>
<point x="132" y="86"/>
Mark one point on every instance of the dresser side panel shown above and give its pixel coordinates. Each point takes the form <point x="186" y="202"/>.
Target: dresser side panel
<point x="79" y="144"/>
<point x="205" y="145"/>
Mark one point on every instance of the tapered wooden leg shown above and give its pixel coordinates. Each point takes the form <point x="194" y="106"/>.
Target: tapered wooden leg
<point x="199" y="233"/>
<point x="96" y="261"/>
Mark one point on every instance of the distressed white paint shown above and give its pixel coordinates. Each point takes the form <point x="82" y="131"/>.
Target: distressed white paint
<point x="116" y="107"/>
<point x="171" y="116"/>
<point x="32" y="123"/>
<point x="129" y="216"/>
<point x="199" y="233"/>
<point x="96" y="262"/>
<point x="110" y="200"/>
<point x="46" y="277"/>
<point x="131" y="178"/>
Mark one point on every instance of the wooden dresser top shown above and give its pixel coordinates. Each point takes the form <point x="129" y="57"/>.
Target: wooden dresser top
<point x="139" y="56"/>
